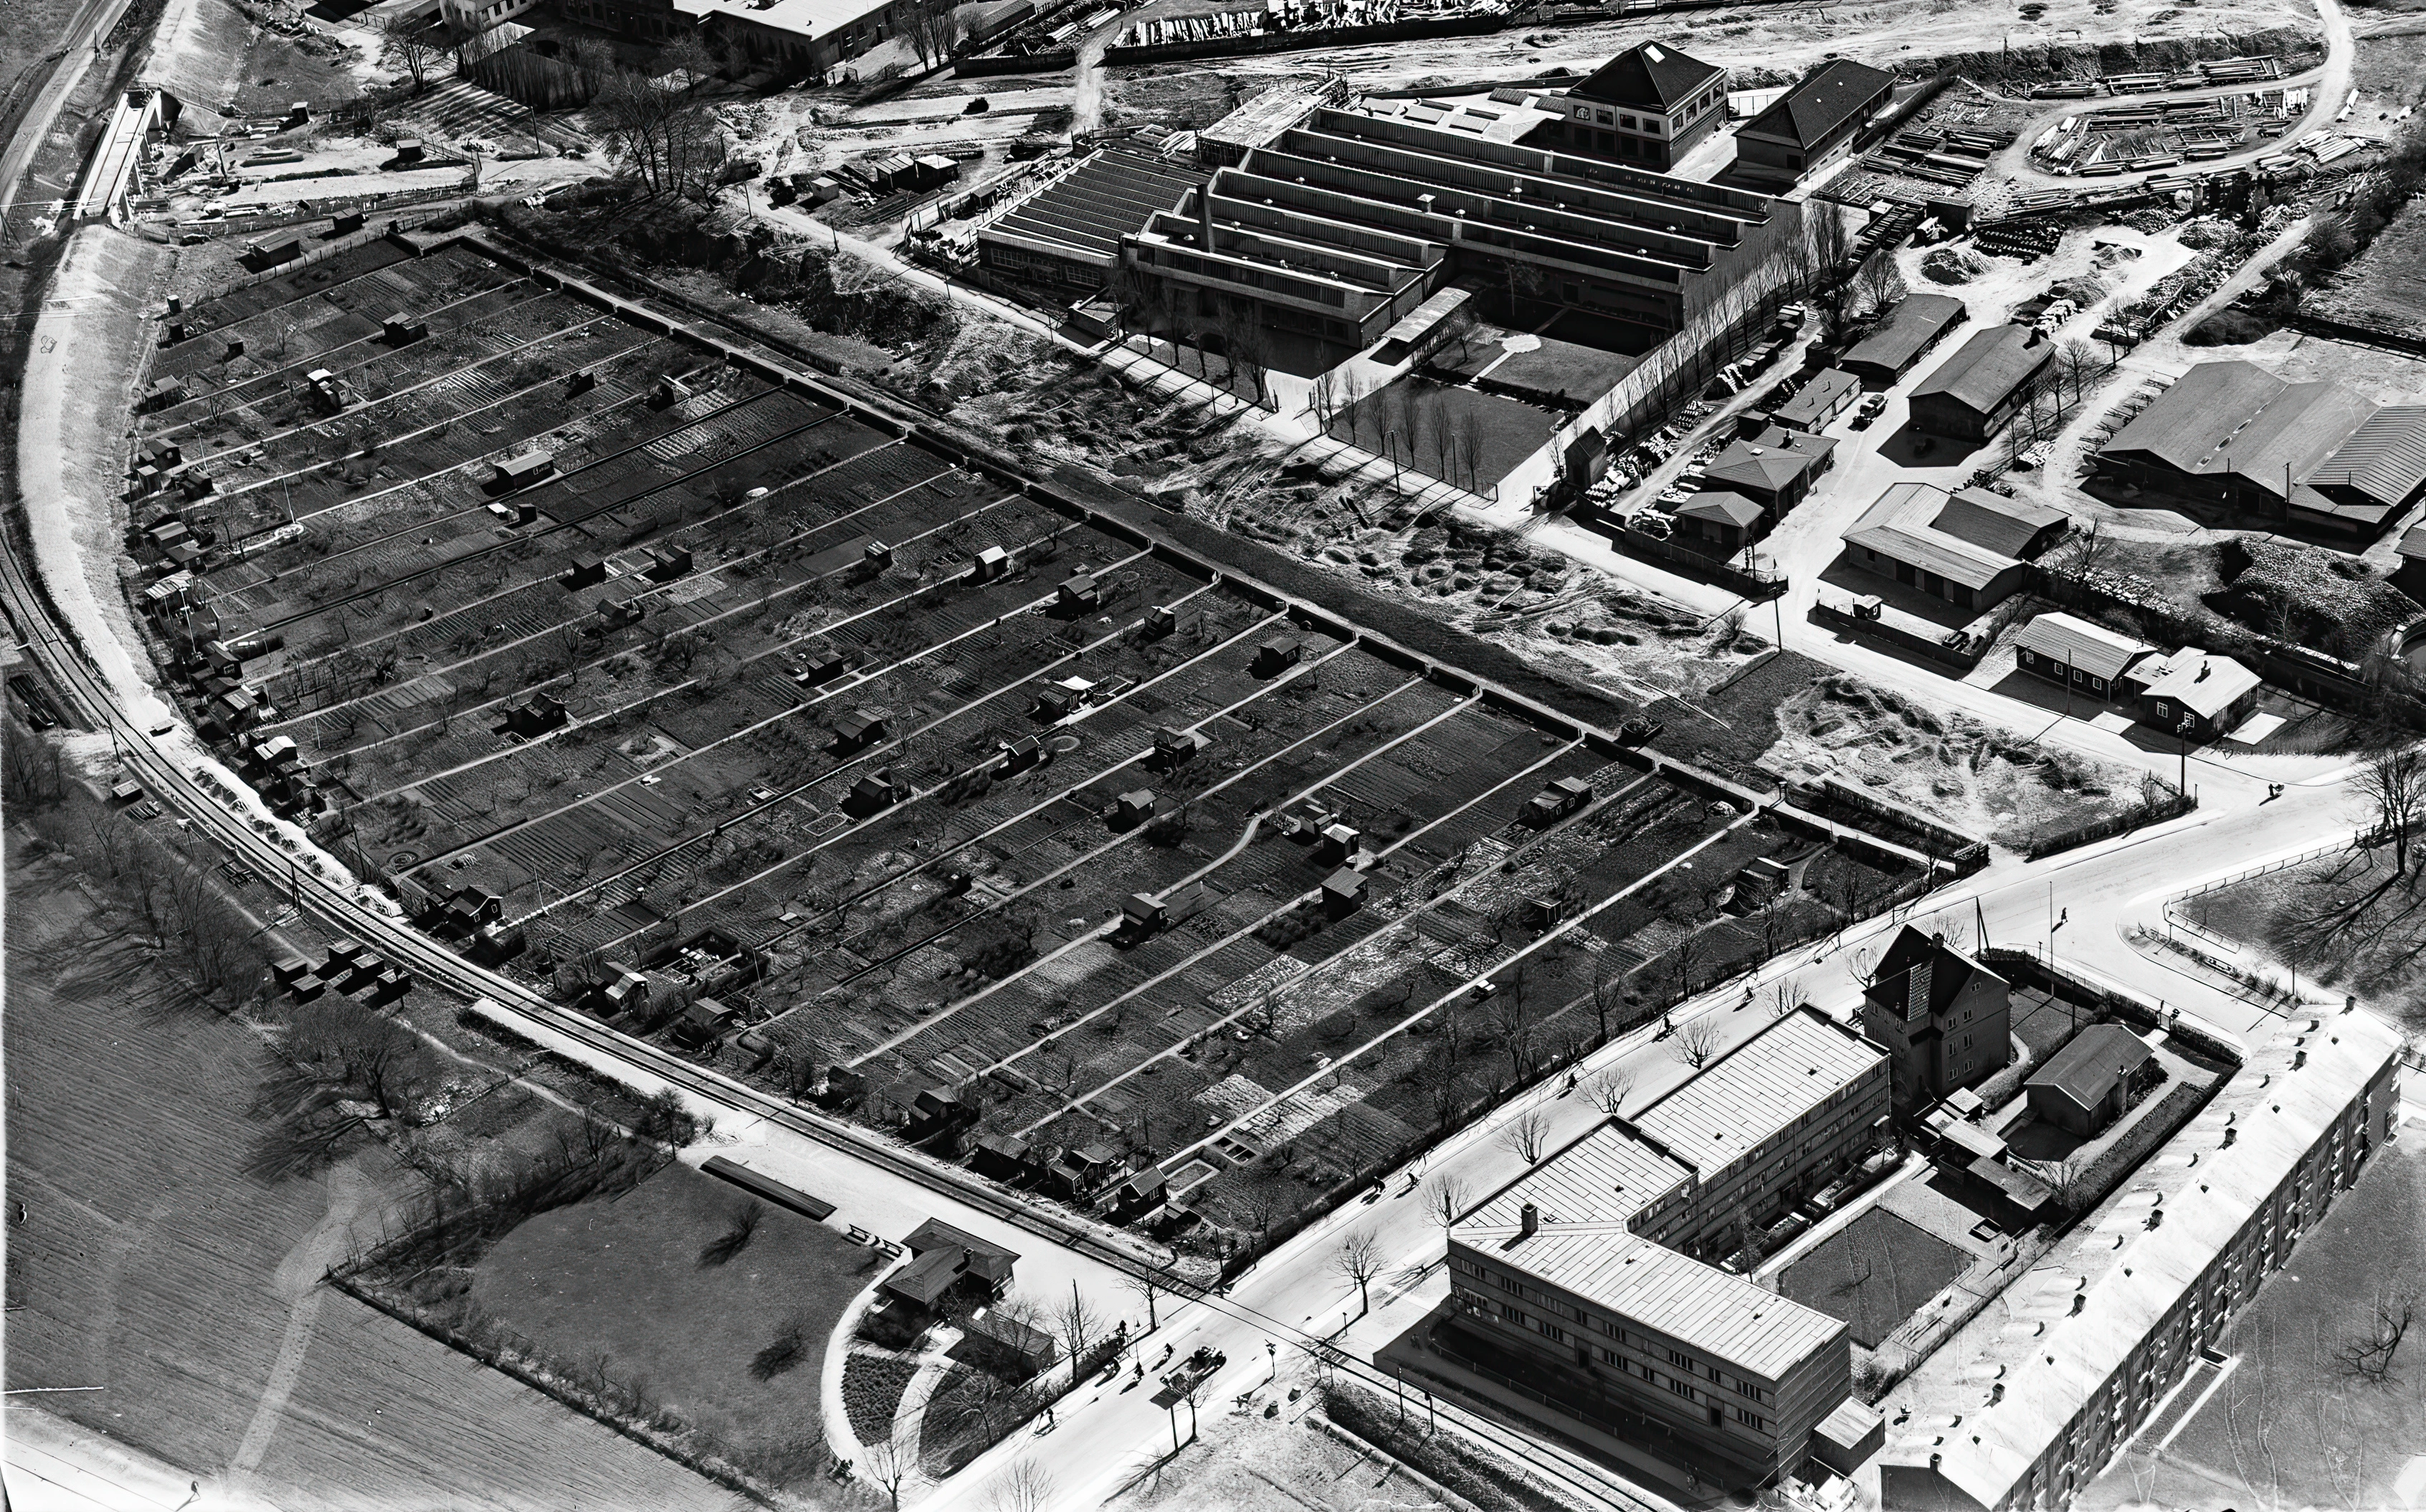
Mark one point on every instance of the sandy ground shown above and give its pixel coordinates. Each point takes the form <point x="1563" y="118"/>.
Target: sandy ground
<point x="1786" y="39"/>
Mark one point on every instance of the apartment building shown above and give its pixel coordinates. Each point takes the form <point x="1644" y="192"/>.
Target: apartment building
<point x="1580" y="1266"/>
<point x="1779" y="1116"/>
<point x="2025" y="1407"/>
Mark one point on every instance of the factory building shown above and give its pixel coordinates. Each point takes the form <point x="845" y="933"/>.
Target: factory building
<point x="1344" y="221"/>
<point x="2232" y="436"/>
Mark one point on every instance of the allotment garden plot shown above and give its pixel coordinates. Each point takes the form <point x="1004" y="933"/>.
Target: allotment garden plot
<point x="754" y="728"/>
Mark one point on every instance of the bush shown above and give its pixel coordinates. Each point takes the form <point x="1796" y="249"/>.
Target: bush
<point x="2229" y="328"/>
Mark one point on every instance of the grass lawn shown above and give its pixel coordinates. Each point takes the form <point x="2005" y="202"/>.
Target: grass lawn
<point x="624" y="1279"/>
<point x="2288" y="1426"/>
<point x="2342" y="920"/>
<point x="1873" y="1273"/>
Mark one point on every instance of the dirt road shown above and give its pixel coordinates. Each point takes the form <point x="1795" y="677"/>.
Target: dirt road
<point x="2330" y="82"/>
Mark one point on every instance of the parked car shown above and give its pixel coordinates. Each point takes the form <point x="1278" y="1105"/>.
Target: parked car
<point x="1870" y="409"/>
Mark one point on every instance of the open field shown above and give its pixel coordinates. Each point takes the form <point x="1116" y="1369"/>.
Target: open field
<point x="1873" y="1273"/>
<point x="2286" y="1424"/>
<point x="627" y="1279"/>
<point x="1761" y="41"/>
<point x="148" y="1258"/>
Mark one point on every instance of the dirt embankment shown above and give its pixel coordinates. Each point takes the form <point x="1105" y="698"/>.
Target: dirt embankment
<point x="1950" y="767"/>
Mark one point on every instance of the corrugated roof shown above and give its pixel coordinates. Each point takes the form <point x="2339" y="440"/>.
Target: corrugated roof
<point x="2023" y="1373"/>
<point x="1084" y="214"/>
<point x="1901" y="528"/>
<point x="1916" y="322"/>
<point x="2385" y="458"/>
<point x="2098" y="1061"/>
<point x="1649" y="76"/>
<point x="1820" y="106"/>
<point x="1986" y="371"/>
<point x="2237" y="417"/>
<point x="1756" y="1089"/>
<point x="2086" y="647"/>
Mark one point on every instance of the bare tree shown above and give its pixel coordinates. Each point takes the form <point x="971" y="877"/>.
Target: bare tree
<point x="1148" y="1287"/>
<point x="1824" y="227"/>
<point x="2369" y="1354"/>
<point x="1877" y="284"/>
<point x="1513" y="1019"/>
<point x="1527" y="1135"/>
<point x="416" y="42"/>
<point x="1358" y="1261"/>
<point x="2077" y="361"/>
<point x="2391" y="787"/>
<point x="1079" y="1325"/>
<point x="1609" y="1090"/>
<point x="1445" y="1199"/>
<point x="885" y="1467"/>
<point x="31" y="773"/>
<point x="1026" y="1487"/>
<point x="1695" y="1041"/>
<point x="1786" y="995"/>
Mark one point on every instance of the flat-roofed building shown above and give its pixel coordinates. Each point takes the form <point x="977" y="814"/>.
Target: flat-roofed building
<point x="1580" y="1265"/>
<point x="1649" y="104"/>
<point x="2026" y="1405"/>
<point x="2232" y="435"/>
<point x="1814" y="123"/>
<point x="1917" y="323"/>
<point x="1344" y="223"/>
<point x="1971" y="394"/>
<point x="1774" y="1119"/>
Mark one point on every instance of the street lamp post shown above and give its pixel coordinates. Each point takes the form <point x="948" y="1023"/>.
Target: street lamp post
<point x="2182" y="736"/>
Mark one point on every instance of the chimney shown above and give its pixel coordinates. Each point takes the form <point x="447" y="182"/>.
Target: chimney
<point x="2202" y="671"/>
<point x="1529" y="1221"/>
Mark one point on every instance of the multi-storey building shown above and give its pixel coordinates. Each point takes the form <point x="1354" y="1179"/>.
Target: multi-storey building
<point x="1775" y="1118"/>
<point x="1579" y="1267"/>
<point x="2025" y="1406"/>
<point x="1944" y="1019"/>
<point x="1649" y="104"/>
<point x="1338" y="225"/>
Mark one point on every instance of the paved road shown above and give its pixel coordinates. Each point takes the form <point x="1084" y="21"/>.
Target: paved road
<point x="2331" y="81"/>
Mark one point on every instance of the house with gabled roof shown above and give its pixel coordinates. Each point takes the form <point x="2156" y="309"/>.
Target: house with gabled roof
<point x="1814" y="123"/>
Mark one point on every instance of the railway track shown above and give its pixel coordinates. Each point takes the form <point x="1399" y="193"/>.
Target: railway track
<point x="235" y="827"/>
